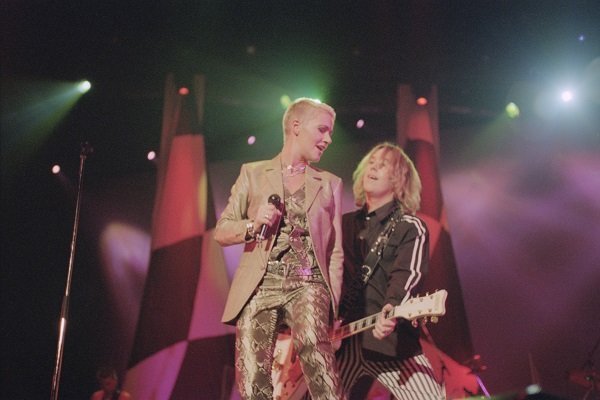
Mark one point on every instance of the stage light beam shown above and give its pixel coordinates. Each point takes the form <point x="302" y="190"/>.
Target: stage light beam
<point x="34" y="111"/>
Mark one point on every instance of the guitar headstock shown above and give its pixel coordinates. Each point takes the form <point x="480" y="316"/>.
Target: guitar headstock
<point x="430" y="305"/>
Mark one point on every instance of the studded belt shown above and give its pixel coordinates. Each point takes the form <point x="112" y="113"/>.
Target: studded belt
<point x="284" y="269"/>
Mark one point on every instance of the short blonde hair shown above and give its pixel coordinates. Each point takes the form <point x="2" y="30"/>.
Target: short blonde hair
<point x="299" y="108"/>
<point x="408" y="194"/>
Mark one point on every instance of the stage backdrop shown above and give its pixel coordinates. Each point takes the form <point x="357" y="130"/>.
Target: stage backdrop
<point x="181" y="350"/>
<point x="447" y="343"/>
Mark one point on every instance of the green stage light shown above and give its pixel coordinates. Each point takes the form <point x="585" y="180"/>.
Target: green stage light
<point x="512" y="110"/>
<point x="285" y="101"/>
<point x="33" y="111"/>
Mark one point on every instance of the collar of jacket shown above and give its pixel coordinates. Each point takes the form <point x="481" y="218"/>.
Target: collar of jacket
<point x="313" y="181"/>
<point x="382" y="213"/>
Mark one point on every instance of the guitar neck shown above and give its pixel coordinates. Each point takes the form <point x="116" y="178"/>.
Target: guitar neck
<point x="354" y="327"/>
<point x="430" y="305"/>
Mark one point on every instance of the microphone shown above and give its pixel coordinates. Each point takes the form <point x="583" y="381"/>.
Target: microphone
<point x="276" y="201"/>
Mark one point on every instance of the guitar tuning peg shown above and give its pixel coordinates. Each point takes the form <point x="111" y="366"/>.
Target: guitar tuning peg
<point x="434" y="320"/>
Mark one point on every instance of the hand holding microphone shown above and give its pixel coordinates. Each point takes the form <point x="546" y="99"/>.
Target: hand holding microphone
<point x="267" y="213"/>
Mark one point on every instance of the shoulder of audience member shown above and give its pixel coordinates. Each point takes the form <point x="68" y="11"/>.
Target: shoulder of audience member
<point x="97" y="395"/>
<point x="124" y="395"/>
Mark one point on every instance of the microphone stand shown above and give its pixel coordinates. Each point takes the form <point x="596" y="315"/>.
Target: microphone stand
<point x="86" y="149"/>
<point x="591" y="377"/>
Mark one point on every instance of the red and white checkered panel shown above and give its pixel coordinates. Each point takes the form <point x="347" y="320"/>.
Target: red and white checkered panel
<point x="417" y="132"/>
<point x="181" y="349"/>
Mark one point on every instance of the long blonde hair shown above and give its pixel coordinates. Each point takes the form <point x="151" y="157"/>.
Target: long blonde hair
<point x="408" y="194"/>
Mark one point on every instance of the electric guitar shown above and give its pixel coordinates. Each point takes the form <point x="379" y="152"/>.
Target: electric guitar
<point x="288" y="382"/>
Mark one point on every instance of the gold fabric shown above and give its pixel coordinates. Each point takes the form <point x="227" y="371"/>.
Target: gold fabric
<point x="293" y="245"/>
<point x="302" y="303"/>
<point x="293" y="293"/>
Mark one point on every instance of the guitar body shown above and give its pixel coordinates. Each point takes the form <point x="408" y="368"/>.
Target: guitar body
<point x="288" y="380"/>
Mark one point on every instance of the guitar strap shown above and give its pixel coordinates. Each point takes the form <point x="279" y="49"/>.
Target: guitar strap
<point x="371" y="261"/>
<point x="376" y="252"/>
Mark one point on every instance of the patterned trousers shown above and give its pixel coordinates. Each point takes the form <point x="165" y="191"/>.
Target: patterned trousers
<point x="302" y="303"/>
<point x="409" y="379"/>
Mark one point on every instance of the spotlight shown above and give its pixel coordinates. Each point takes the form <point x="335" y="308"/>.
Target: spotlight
<point x="422" y="101"/>
<point x="184" y="91"/>
<point x="512" y="110"/>
<point x="84" y="86"/>
<point x="533" y="389"/>
<point x="566" y="96"/>
<point x="360" y="123"/>
<point x="285" y="101"/>
<point x="151" y="155"/>
<point x="55" y="169"/>
<point x="251" y="140"/>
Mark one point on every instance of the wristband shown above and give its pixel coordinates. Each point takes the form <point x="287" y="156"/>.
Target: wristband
<point x="250" y="234"/>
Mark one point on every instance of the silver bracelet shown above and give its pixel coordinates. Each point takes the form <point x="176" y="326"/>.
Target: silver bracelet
<point x="250" y="233"/>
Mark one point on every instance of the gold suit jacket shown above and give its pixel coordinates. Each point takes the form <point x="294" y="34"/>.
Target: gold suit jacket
<point x="256" y="182"/>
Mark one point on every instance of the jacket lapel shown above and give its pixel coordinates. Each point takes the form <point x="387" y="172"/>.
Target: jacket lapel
<point x="273" y="174"/>
<point x="314" y="183"/>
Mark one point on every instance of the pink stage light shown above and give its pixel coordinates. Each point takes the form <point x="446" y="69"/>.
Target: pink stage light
<point x="184" y="91"/>
<point x="55" y="169"/>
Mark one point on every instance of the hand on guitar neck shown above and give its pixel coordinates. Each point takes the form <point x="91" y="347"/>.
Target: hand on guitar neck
<point x="384" y="326"/>
<point x="420" y="307"/>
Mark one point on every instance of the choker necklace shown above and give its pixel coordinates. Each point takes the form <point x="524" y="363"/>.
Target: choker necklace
<point x="291" y="170"/>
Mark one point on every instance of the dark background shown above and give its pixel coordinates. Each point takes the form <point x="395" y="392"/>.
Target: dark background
<point x="479" y="54"/>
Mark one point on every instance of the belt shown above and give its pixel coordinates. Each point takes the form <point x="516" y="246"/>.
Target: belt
<point x="284" y="269"/>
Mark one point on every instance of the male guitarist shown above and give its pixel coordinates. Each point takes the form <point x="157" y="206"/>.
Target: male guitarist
<point x="386" y="256"/>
